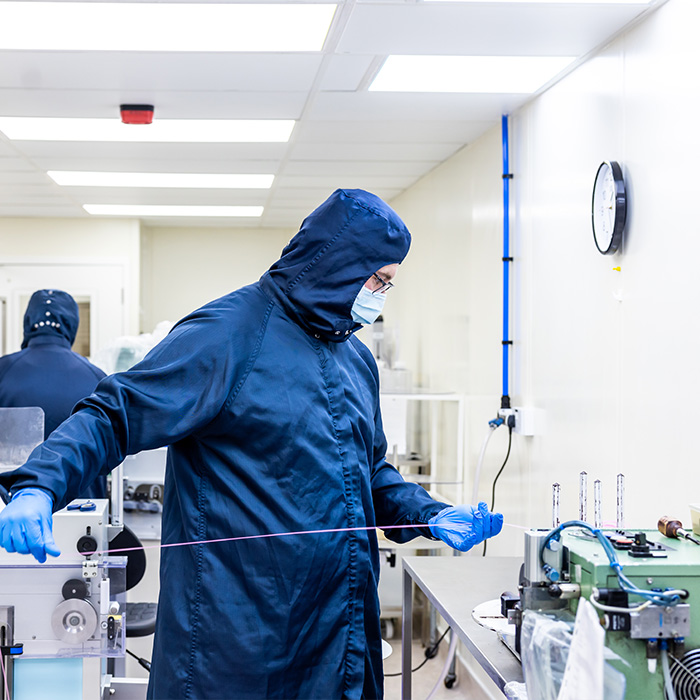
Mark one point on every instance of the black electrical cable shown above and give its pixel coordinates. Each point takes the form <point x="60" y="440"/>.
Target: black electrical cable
<point x="430" y="653"/>
<point x="142" y="662"/>
<point x="493" y="487"/>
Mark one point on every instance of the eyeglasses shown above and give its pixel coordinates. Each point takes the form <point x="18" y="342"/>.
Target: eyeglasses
<point x="381" y="286"/>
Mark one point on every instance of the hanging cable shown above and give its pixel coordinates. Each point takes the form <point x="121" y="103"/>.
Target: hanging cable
<point x="493" y="425"/>
<point x="500" y="471"/>
<point x="448" y="662"/>
<point x="142" y="662"/>
<point x="495" y="481"/>
<point x="430" y="652"/>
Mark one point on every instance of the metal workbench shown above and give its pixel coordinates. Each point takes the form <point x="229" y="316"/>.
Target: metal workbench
<point x="455" y="586"/>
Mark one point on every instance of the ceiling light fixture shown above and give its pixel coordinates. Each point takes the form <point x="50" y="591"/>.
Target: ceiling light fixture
<point x="144" y="26"/>
<point x="73" y="178"/>
<point x="138" y="210"/>
<point x="473" y="74"/>
<point x="161" y="130"/>
<point x="559" y="2"/>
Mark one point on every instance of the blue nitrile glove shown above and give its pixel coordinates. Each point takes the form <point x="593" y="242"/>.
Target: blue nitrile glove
<point x="25" y="524"/>
<point x="462" y="527"/>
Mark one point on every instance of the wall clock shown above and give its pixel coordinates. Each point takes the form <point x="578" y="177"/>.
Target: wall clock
<point x="609" y="207"/>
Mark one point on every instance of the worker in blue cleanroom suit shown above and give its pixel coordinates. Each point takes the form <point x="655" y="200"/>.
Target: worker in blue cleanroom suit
<point x="46" y="372"/>
<point x="270" y="406"/>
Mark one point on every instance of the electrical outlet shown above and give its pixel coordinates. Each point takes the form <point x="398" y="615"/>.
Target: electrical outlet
<point x="529" y="421"/>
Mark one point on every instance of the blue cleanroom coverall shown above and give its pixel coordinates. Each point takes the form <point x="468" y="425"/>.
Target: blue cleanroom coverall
<point x="46" y="372"/>
<point x="270" y="406"/>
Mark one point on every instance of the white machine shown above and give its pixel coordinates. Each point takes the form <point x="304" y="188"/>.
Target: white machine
<point x="61" y="620"/>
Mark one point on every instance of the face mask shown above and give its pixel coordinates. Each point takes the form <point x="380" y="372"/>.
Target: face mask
<point x="367" y="306"/>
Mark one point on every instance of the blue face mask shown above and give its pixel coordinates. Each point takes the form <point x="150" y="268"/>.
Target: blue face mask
<point x="367" y="306"/>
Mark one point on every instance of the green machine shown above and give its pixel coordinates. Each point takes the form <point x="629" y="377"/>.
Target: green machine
<point x="645" y="585"/>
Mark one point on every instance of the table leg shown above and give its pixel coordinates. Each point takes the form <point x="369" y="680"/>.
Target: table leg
<point x="406" y="636"/>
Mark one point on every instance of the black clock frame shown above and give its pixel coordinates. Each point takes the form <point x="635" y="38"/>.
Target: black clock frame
<point x="620" y="207"/>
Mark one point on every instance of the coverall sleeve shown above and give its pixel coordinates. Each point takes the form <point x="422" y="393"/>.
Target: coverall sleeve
<point x="179" y="387"/>
<point x="396" y="501"/>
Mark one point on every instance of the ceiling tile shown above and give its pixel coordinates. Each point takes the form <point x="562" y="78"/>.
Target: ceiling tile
<point x="227" y="152"/>
<point x="345" y="72"/>
<point x="374" y="151"/>
<point x="183" y="104"/>
<point x="367" y="182"/>
<point x="482" y="29"/>
<point x="36" y="209"/>
<point x="158" y="72"/>
<point x="349" y="168"/>
<point x="23" y="177"/>
<point x="15" y="164"/>
<point x="389" y="131"/>
<point x="398" y="106"/>
<point x="148" y="195"/>
<point x="168" y="165"/>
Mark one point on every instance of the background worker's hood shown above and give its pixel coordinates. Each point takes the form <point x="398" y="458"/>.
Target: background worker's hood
<point x="340" y="244"/>
<point x="51" y="312"/>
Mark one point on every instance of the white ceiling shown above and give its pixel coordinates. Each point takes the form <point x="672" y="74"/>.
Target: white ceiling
<point x="345" y="136"/>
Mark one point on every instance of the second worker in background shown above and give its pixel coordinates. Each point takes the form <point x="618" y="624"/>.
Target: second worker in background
<point x="46" y="372"/>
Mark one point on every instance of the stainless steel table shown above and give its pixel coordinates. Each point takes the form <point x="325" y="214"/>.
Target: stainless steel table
<point x="455" y="586"/>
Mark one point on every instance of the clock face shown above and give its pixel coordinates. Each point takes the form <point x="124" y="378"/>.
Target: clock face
<point x="609" y="208"/>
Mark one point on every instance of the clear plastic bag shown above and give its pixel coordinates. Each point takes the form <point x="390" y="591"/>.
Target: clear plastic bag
<point x="515" y="691"/>
<point x="124" y="352"/>
<point x="545" y="642"/>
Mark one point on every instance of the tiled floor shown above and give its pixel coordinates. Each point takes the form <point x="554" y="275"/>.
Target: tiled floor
<point x="425" y="678"/>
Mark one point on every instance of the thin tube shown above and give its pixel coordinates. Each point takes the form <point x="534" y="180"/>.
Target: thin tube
<point x="620" y="501"/>
<point x="583" y="496"/>
<point x="450" y="655"/>
<point x="668" y="683"/>
<point x="506" y="249"/>
<point x="556" y="490"/>
<point x="4" y="677"/>
<point x="259" y="537"/>
<point x="596" y="503"/>
<point x="480" y="461"/>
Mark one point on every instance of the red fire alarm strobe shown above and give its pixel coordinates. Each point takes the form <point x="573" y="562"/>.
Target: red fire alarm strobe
<point x="136" y="114"/>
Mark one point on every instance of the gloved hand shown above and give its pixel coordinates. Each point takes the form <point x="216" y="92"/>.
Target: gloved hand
<point x="464" y="526"/>
<point x="25" y="524"/>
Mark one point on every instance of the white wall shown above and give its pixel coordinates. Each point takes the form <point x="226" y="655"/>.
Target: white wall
<point x="610" y="356"/>
<point x="76" y="240"/>
<point x="183" y="268"/>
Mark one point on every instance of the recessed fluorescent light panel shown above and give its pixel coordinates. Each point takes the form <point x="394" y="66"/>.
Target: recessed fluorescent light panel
<point x="170" y="210"/>
<point x="70" y="178"/>
<point x="160" y="131"/>
<point x="475" y="74"/>
<point x="559" y="2"/>
<point x="145" y="26"/>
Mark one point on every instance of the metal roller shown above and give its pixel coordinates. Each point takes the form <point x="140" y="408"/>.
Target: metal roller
<point x="74" y="621"/>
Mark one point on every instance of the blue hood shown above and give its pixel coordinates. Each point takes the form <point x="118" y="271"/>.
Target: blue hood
<point x="51" y="312"/>
<point x="340" y="244"/>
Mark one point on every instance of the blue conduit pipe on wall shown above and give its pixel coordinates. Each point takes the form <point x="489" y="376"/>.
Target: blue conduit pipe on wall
<point x="506" y="342"/>
<point x="507" y="260"/>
